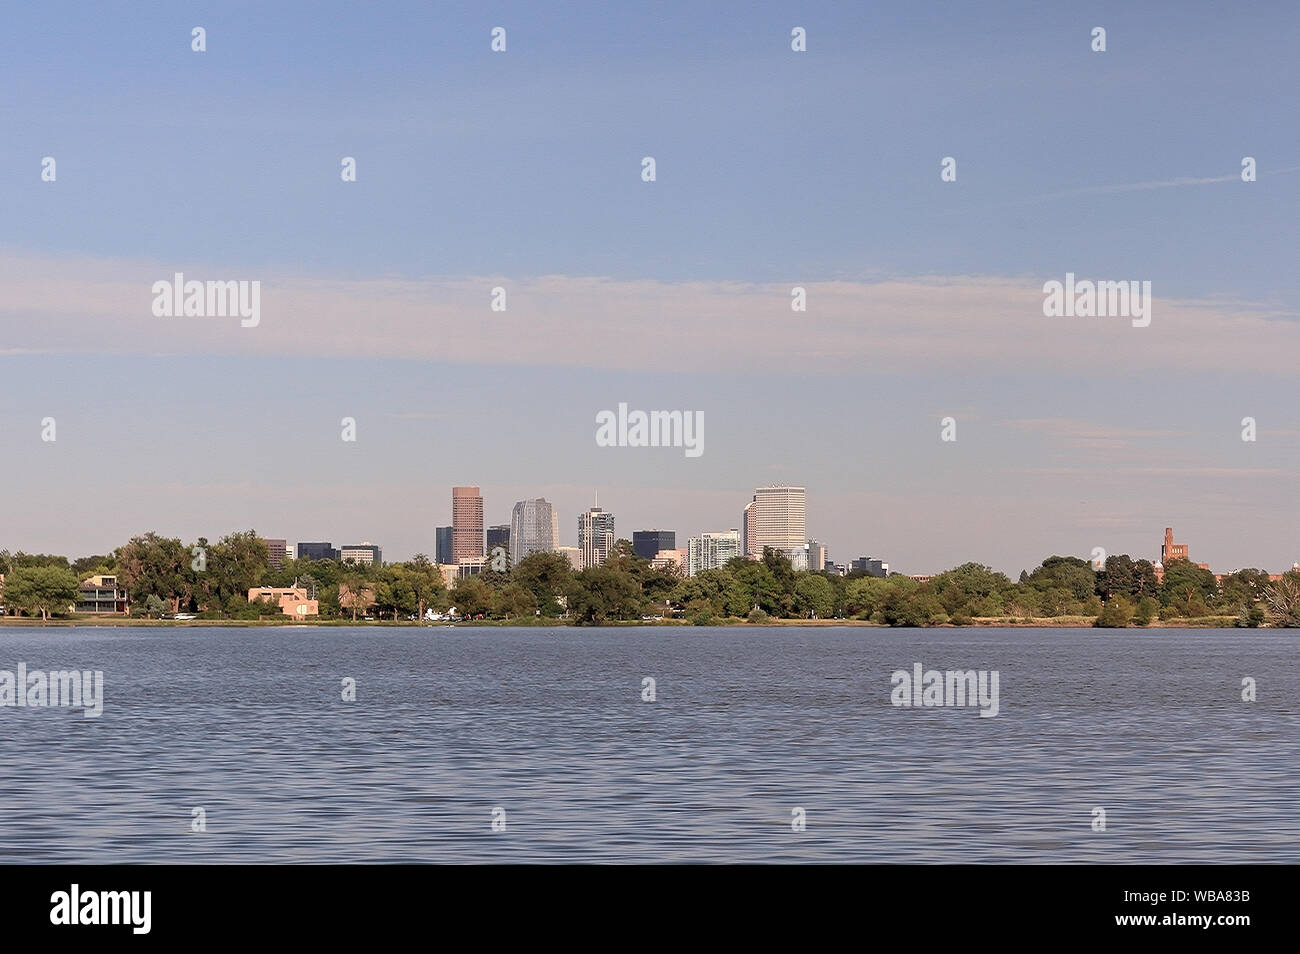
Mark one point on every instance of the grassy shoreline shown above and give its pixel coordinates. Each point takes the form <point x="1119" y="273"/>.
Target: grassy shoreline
<point x="1056" y="622"/>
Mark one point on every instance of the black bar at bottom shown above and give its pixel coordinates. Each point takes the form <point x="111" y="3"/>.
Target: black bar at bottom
<point x="299" y="903"/>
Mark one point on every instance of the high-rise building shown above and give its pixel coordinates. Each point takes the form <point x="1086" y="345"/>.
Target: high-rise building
<point x="747" y="531"/>
<point x="317" y="551"/>
<point x="365" y="552"/>
<point x="534" y="528"/>
<point x="816" y="556"/>
<point x="276" y="550"/>
<point x="498" y="536"/>
<point x="647" y="543"/>
<point x="712" y="551"/>
<point x="595" y="536"/>
<point x="442" y="546"/>
<point x="777" y="518"/>
<point x="466" y="524"/>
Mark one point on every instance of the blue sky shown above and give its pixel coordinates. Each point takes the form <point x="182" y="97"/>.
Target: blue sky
<point x="773" y="169"/>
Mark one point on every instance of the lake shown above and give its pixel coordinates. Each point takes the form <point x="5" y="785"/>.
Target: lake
<point x="749" y="726"/>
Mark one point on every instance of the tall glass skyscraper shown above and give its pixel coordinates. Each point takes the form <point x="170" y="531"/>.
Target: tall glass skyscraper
<point x="534" y="528"/>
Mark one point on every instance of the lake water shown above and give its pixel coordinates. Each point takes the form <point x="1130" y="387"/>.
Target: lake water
<point x="748" y="725"/>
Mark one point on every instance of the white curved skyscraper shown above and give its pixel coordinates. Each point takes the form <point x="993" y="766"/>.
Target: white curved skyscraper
<point x="534" y="528"/>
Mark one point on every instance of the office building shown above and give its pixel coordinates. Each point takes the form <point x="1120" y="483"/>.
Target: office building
<point x="276" y="550"/>
<point x="712" y="551"/>
<point x="869" y="565"/>
<point x="466" y="524"/>
<point x="647" y="543"/>
<point x="442" y="546"/>
<point x="776" y="518"/>
<point x="468" y="568"/>
<point x="816" y="556"/>
<point x="360" y="553"/>
<point x="595" y="536"/>
<point x="498" y="536"/>
<point x="534" y="528"/>
<point x="317" y="551"/>
<point x="747" y="532"/>
<point x="572" y="554"/>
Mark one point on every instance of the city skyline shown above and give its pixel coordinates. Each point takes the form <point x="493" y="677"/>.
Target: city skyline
<point x="873" y="560"/>
<point x="924" y="297"/>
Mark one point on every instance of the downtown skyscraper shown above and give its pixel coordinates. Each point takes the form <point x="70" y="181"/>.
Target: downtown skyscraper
<point x="534" y="528"/>
<point x="595" y="536"/>
<point x="777" y="517"/>
<point x="466" y="524"/>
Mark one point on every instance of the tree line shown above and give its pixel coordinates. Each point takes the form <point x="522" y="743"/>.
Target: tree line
<point x="161" y="575"/>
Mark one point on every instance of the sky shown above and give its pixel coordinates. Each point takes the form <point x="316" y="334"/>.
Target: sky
<point x="522" y="170"/>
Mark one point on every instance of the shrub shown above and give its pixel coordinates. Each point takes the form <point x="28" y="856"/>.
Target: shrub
<point x="1115" y="614"/>
<point x="1146" y="611"/>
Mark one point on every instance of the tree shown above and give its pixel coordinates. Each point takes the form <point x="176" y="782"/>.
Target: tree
<point x="237" y="563"/>
<point x="1146" y="610"/>
<point x="515" y="601"/>
<point x="473" y="597"/>
<point x="814" y="596"/>
<point x="1070" y="573"/>
<point x="1282" y="600"/>
<point x="43" y="589"/>
<point x="88" y="566"/>
<point x="354" y="594"/>
<point x="425" y="581"/>
<point x="1243" y="588"/>
<point x="917" y="607"/>
<point x="864" y="594"/>
<point x="1115" y="614"/>
<point x="1188" y="585"/>
<point x="783" y="575"/>
<point x="548" y="576"/>
<point x="599" y="593"/>
<point x="1119" y="577"/>
<point x="758" y="577"/>
<point x="152" y="565"/>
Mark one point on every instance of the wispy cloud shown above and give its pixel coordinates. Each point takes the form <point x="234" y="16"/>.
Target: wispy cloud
<point x="898" y="325"/>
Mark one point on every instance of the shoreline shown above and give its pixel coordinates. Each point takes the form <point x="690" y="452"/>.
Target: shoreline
<point x="1050" y="622"/>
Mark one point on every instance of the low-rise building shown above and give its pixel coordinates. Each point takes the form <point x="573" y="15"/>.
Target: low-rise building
<point x="100" y="595"/>
<point x="361" y="553"/>
<point x="292" y="600"/>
